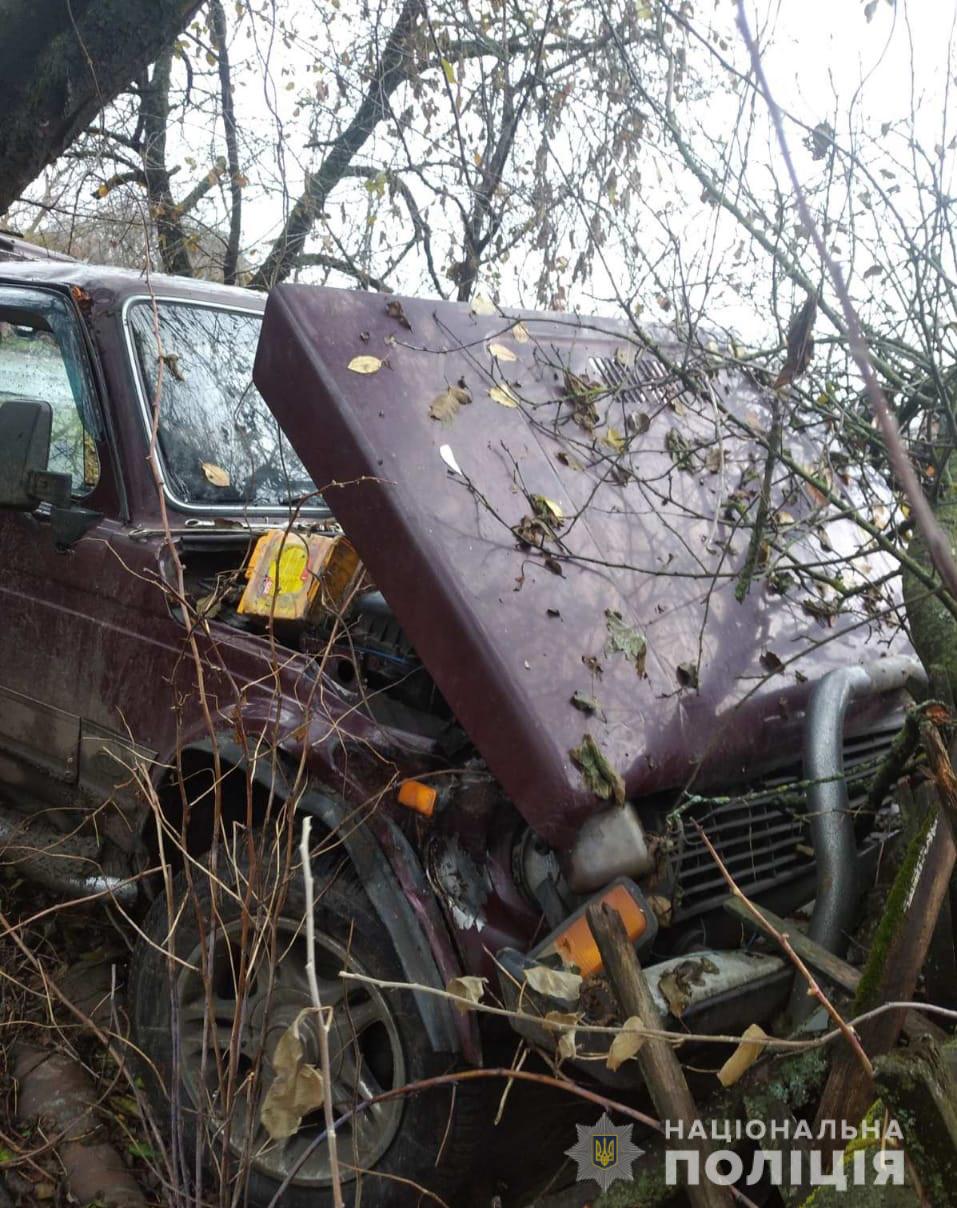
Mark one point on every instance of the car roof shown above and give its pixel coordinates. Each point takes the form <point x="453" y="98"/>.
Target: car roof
<point x="109" y="284"/>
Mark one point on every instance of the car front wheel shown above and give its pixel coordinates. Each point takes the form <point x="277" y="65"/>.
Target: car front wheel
<point x="218" y="980"/>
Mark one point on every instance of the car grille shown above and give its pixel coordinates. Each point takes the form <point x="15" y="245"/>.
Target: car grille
<point x="761" y="835"/>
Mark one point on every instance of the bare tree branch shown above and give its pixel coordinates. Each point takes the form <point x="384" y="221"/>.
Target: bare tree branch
<point x="393" y="69"/>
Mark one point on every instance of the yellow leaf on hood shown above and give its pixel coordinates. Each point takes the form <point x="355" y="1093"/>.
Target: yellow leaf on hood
<point x="501" y="353"/>
<point x="365" y="364"/>
<point x="503" y="396"/>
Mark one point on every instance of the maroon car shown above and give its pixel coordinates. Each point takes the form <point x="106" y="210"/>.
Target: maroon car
<point x="476" y="593"/>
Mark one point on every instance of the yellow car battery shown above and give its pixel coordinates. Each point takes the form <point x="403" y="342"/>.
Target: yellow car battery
<point x="290" y="576"/>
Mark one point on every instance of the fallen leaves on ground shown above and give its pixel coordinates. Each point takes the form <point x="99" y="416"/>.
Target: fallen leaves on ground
<point x="677" y="985"/>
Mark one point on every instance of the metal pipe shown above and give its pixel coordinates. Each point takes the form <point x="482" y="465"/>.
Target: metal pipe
<point x="832" y="826"/>
<point x="60" y="862"/>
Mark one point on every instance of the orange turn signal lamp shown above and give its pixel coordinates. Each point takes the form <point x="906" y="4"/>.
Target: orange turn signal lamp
<point x="421" y="798"/>
<point x="573" y="940"/>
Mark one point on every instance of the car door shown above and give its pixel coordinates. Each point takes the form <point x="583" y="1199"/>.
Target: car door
<point x="53" y="646"/>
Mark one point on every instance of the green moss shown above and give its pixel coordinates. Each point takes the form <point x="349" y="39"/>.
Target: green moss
<point x="867" y="995"/>
<point x="799" y="1078"/>
<point x="933" y="628"/>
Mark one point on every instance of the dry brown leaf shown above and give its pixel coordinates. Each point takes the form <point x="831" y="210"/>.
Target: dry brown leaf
<point x="215" y="474"/>
<point x="614" y="440"/>
<point x="547" y="508"/>
<point x="296" y="1088"/>
<point x="445" y="406"/>
<point x="569" y="459"/>
<point x="567" y="1019"/>
<point x="744" y="1056"/>
<point x="880" y="516"/>
<point x="501" y="353"/>
<point x="800" y="343"/>
<point x="365" y="364"/>
<point x="567" y="1046"/>
<point x="627" y="1043"/>
<point x="503" y="396"/>
<point x="554" y="983"/>
<point x="394" y="311"/>
<point x="468" y="989"/>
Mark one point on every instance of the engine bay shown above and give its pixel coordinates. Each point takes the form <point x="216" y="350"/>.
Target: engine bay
<point x="313" y="594"/>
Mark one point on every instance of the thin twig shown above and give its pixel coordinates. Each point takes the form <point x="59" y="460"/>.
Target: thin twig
<point x="323" y="1015"/>
<point x="813" y="988"/>
<point x="937" y="541"/>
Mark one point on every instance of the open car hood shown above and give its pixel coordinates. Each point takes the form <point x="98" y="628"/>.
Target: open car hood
<point x="563" y="549"/>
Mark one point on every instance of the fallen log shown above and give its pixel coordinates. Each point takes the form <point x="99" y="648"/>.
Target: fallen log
<point x="56" y="1093"/>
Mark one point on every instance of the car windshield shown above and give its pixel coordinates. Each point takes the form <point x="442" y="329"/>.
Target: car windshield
<point x="219" y="442"/>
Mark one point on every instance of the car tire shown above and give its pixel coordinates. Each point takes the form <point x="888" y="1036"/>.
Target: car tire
<point x="427" y="1140"/>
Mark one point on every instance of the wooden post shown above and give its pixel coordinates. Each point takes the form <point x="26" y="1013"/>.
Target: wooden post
<point x="896" y="958"/>
<point x="659" y="1065"/>
<point x="823" y="962"/>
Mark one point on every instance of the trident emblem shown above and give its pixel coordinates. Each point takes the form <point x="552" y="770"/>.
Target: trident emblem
<point x="605" y="1152"/>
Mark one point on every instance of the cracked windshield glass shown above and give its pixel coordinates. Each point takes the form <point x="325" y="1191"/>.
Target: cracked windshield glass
<point x="218" y="441"/>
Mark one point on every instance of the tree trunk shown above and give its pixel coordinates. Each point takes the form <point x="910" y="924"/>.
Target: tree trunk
<point x="61" y="63"/>
<point x="155" y="113"/>
<point x="933" y="628"/>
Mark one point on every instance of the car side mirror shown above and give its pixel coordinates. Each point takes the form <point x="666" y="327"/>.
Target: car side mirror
<point x="25" y="482"/>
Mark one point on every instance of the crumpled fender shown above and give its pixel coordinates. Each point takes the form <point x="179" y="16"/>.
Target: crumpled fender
<point x="395" y="882"/>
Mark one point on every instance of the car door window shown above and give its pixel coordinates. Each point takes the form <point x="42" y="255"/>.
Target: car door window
<point x="42" y="357"/>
